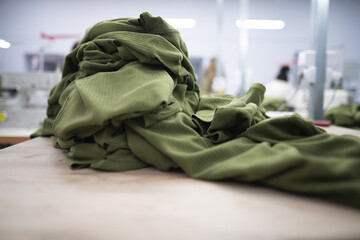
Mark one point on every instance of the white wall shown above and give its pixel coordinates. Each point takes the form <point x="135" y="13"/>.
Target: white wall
<point x="22" y="21"/>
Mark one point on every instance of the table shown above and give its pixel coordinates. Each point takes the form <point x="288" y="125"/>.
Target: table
<point x="15" y="135"/>
<point x="332" y="129"/>
<point x="41" y="198"/>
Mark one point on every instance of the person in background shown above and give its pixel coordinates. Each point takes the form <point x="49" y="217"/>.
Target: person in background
<point x="208" y="77"/>
<point x="75" y="45"/>
<point x="279" y="91"/>
<point x="280" y="86"/>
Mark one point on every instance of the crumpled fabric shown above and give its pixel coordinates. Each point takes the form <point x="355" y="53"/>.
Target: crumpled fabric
<point x="128" y="99"/>
<point x="346" y="116"/>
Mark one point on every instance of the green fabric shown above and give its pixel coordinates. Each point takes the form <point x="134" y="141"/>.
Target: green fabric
<point x="129" y="99"/>
<point x="273" y="104"/>
<point x="345" y="116"/>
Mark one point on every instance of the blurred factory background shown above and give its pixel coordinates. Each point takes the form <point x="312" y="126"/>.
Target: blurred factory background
<point x="36" y="35"/>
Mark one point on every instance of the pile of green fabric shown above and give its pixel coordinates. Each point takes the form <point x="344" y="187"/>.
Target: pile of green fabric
<point x="128" y="99"/>
<point x="345" y="116"/>
<point x="275" y="104"/>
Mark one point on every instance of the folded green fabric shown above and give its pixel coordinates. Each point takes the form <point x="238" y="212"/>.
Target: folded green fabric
<point x="129" y="99"/>
<point x="345" y="116"/>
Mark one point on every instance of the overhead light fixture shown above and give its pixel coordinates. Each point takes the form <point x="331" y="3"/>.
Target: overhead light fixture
<point x="261" y="24"/>
<point x="4" y="44"/>
<point x="180" y="23"/>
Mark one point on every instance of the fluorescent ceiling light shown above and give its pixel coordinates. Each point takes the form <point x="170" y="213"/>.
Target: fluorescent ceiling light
<point x="261" y="24"/>
<point x="181" y="22"/>
<point x="4" y="44"/>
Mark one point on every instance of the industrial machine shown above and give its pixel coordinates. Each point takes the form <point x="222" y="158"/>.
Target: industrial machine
<point x="334" y="94"/>
<point x="23" y="98"/>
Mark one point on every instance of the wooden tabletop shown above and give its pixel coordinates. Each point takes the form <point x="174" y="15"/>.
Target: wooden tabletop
<point x="15" y="135"/>
<point x="41" y="198"/>
<point x="332" y="129"/>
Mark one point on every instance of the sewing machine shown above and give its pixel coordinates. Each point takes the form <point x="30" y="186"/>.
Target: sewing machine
<point x="334" y="94"/>
<point x="23" y="100"/>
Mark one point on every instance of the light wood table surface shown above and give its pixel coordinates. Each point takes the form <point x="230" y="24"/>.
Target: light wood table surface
<point x="332" y="129"/>
<point x="41" y="198"/>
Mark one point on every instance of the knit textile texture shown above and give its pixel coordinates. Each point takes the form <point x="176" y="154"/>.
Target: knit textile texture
<point x="128" y="99"/>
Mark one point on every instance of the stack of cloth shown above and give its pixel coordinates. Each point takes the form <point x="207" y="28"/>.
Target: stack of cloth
<point x="128" y="99"/>
<point x="345" y="116"/>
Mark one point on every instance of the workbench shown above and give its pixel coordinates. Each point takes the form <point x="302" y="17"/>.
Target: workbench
<point x="41" y="198"/>
<point x="15" y="135"/>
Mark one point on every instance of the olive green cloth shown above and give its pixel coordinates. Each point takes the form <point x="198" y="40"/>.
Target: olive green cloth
<point x="275" y="104"/>
<point x="129" y="99"/>
<point x="345" y="116"/>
